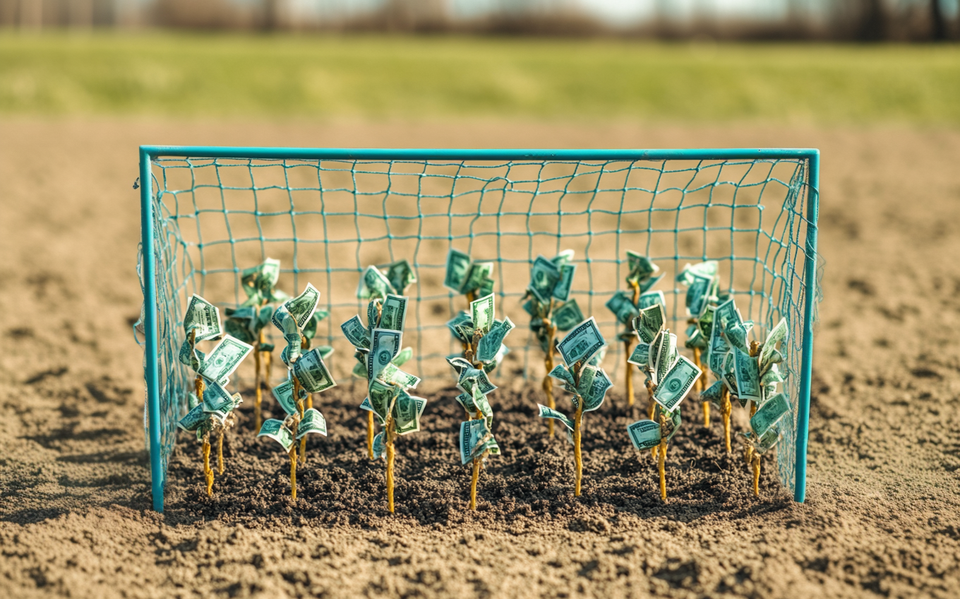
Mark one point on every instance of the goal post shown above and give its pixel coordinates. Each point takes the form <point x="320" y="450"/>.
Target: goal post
<point x="209" y="212"/>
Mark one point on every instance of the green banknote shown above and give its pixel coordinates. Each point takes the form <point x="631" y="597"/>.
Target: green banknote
<point x="561" y="373"/>
<point x="651" y="298"/>
<point x="274" y="429"/>
<point x="384" y="346"/>
<point x="391" y="373"/>
<point x="708" y="269"/>
<point x="543" y="278"/>
<point x="644" y="434"/>
<point x="458" y="264"/>
<point x="765" y="442"/>
<point x="666" y="356"/>
<point x="193" y="419"/>
<point x="394" y="313"/>
<point x="283" y="393"/>
<point x="640" y="355"/>
<point x="650" y="321"/>
<point x="747" y="371"/>
<point x="562" y="289"/>
<point x="216" y="398"/>
<point x="490" y="344"/>
<point x="621" y="304"/>
<point x="581" y="343"/>
<point x="473" y="377"/>
<point x="713" y="393"/>
<point x="203" y="317"/>
<point x="313" y="374"/>
<point x="473" y="435"/>
<point x="382" y="397"/>
<point x="406" y="413"/>
<point x="593" y="386"/>
<point x="458" y="363"/>
<point x="367" y="405"/>
<point x="567" y="315"/>
<point x="356" y="333"/>
<point x="224" y="359"/>
<point x="191" y="356"/>
<point x="303" y="306"/>
<point x="545" y="412"/>
<point x="291" y="335"/>
<point x="373" y="313"/>
<point x="456" y="327"/>
<point x="770" y="413"/>
<point x="676" y="384"/>
<point x="481" y="313"/>
<point x="260" y="280"/>
<point x="640" y="267"/>
<point x="401" y="276"/>
<point x="312" y="422"/>
<point x="698" y="293"/>
<point x="373" y="284"/>
<point x="477" y="276"/>
<point x="777" y="336"/>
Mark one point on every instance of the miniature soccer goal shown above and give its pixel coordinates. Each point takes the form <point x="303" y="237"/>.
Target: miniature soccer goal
<point x="210" y="212"/>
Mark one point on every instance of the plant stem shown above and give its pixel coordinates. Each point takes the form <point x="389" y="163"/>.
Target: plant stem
<point x="662" y="462"/>
<point x="756" y="475"/>
<point x="223" y="431"/>
<point x="473" y="484"/>
<point x="577" y="456"/>
<point x="293" y="471"/>
<point x="548" y="363"/>
<point x="257" y="419"/>
<point x="628" y="372"/>
<point x="652" y="414"/>
<point x="370" y="434"/>
<point x="701" y="385"/>
<point x="207" y="470"/>
<point x="725" y="409"/>
<point x="388" y="432"/>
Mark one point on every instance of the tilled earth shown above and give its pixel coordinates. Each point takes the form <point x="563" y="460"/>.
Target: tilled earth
<point x="881" y="517"/>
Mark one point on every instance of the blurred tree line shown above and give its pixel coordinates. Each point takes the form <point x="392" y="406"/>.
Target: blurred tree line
<point x="857" y="20"/>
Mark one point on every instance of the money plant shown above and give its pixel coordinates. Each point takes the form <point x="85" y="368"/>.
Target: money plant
<point x="387" y="305"/>
<point x="582" y="376"/>
<point x="211" y="405"/>
<point x="466" y="277"/>
<point x="728" y="332"/>
<point x="670" y="378"/>
<point x="626" y="305"/>
<point x="551" y="309"/>
<point x="306" y="373"/>
<point x="482" y="336"/>
<point x="702" y="298"/>
<point x="758" y="379"/>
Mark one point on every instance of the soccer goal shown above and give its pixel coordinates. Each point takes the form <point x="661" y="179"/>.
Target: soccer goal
<point x="210" y="212"/>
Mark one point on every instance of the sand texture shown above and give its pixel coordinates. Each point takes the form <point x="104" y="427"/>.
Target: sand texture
<point x="881" y="517"/>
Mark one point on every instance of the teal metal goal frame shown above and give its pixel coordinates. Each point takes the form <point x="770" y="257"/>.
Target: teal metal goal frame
<point x="151" y="208"/>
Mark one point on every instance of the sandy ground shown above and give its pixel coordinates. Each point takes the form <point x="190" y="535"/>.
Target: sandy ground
<point x="881" y="517"/>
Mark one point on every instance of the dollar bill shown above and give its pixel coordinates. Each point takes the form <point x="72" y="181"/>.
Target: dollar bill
<point x="481" y="402"/>
<point x="765" y="442"/>
<point x="312" y="422"/>
<point x="621" y="304"/>
<point x="581" y="343"/>
<point x="644" y="434"/>
<point x="384" y="346"/>
<point x="489" y="345"/>
<point x="274" y="429"/>
<point x="747" y="371"/>
<point x="698" y="293"/>
<point x="224" y="359"/>
<point x="368" y="406"/>
<point x="481" y="313"/>
<point x="373" y="284"/>
<point x="470" y="378"/>
<point x="593" y="386"/>
<point x="676" y="384"/>
<point x="473" y="435"/>
<point x="391" y="373"/>
<point x="373" y="313"/>
<point x="725" y="314"/>
<point x="708" y="269"/>
<point x="650" y="321"/>
<point x="356" y="333"/>
<point x="313" y="374"/>
<point x="291" y="335"/>
<point x="713" y="393"/>
<point x="477" y="276"/>
<point x="360" y="369"/>
<point x="216" y="398"/>
<point x="543" y="278"/>
<point x="640" y="267"/>
<point x="454" y="324"/>
<point x="717" y="350"/>
<point x="545" y="412"/>
<point x="401" y="276"/>
<point x="651" y="298"/>
<point x="193" y="419"/>
<point x="562" y="289"/>
<point x="223" y="410"/>
<point x="458" y="363"/>
<point x="394" y="313"/>
<point x="382" y="397"/>
<point x="728" y="372"/>
<point x="203" y="317"/>
<point x="407" y="413"/>
<point x="564" y="257"/>
<point x="283" y="393"/>
<point x="531" y="307"/>
<point x="640" y="356"/>
<point x="466" y="402"/>
<point x="302" y="307"/>
<point x="486" y="287"/>
<point x="777" y="336"/>
<point x="190" y="356"/>
<point x="772" y="376"/>
<point x="667" y="356"/>
<point x="567" y="315"/>
<point x="672" y="424"/>
<point x="379" y="447"/>
<point x="770" y="413"/>
<point x="458" y="264"/>
<point x="559" y="372"/>
<point x="260" y="280"/>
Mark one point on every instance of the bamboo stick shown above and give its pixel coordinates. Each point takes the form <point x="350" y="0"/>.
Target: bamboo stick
<point x="223" y="431"/>
<point x="756" y="475"/>
<point x="726" y="408"/>
<point x="662" y="462"/>
<point x="207" y="470"/>
<point x="370" y="434"/>
<point x="473" y="484"/>
<point x="293" y="471"/>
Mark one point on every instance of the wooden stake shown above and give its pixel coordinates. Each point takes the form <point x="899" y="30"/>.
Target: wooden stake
<point x="293" y="471"/>
<point x="662" y="462"/>
<point x="207" y="470"/>
<point x="756" y="475"/>
<point x="725" y="410"/>
<point x="473" y="484"/>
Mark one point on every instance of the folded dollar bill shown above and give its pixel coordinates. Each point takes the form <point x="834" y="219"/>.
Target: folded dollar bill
<point x="312" y="422"/>
<point x="275" y="429"/>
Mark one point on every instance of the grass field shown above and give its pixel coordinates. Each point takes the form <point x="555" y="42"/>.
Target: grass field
<point x="378" y="77"/>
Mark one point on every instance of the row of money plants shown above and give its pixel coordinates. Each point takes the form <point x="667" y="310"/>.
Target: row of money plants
<point x="716" y="334"/>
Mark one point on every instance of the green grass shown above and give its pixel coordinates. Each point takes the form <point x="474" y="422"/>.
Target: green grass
<point x="416" y="78"/>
